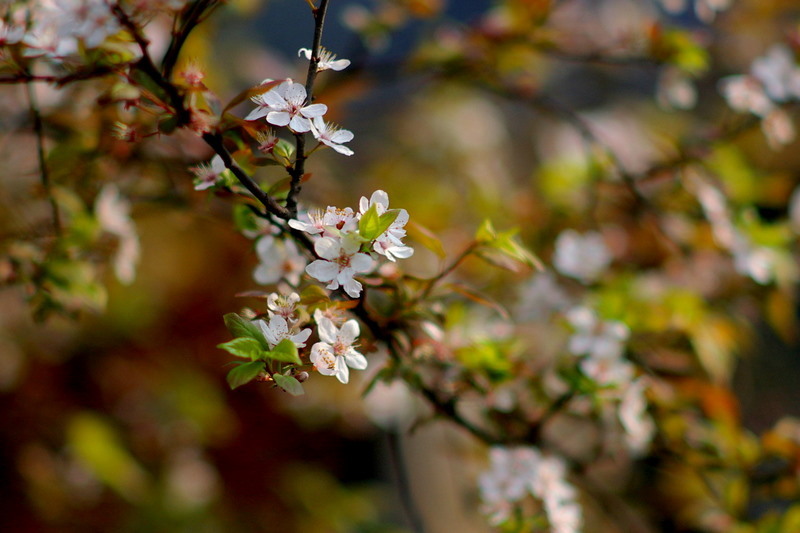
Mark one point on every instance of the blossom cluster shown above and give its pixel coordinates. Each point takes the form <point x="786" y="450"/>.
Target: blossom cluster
<point x="344" y="245"/>
<point x="600" y="344"/>
<point x="774" y="79"/>
<point x="56" y="29"/>
<point x="285" y="104"/>
<point x="336" y="350"/>
<point x="515" y="473"/>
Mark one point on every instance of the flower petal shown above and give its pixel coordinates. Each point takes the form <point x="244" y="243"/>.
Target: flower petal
<point x="322" y="270"/>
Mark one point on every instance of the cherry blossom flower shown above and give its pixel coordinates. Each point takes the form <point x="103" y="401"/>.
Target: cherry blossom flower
<point x="283" y="305"/>
<point x="335" y="352"/>
<point x="330" y="135"/>
<point x="675" y="89"/>
<point x="113" y="214"/>
<point x="602" y="343"/>
<point x="593" y="337"/>
<point x="340" y="261"/>
<point x="744" y="93"/>
<point x="540" y="297"/>
<point x="207" y="174"/>
<point x="277" y="329"/>
<point x="583" y="257"/>
<point x="285" y="105"/>
<point x="278" y="260"/>
<point x="639" y="427"/>
<point x="331" y="223"/>
<point x="517" y="472"/>
<point x="778" y="72"/>
<point x="389" y="243"/>
<point x="266" y="141"/>
<point x="327" y="60"/>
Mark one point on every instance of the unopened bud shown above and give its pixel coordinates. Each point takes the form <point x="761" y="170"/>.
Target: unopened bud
<point x="301" y="376"/>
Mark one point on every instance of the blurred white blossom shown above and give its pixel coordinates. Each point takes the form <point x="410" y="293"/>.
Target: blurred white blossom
<point x="582" y="256"/>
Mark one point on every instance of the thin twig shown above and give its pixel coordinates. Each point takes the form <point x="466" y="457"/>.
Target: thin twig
<point x="38" y="129"/>
<point x="298" y="170"/>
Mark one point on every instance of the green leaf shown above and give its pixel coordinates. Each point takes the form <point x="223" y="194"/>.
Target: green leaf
<point x="289" y="384"/>
<point x="242" y="327"/>
<point x="244" y="347"/>
<point x="372" y="225"/>
<point x="284" y="149"/>
<point x="285" y="352"/>
<point x="426" y="238"/>
<point x="244" y="373"/>
<point x="486" y="233"/>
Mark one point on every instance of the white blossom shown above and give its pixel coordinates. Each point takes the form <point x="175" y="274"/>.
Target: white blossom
<point x="113" y="214"/>
<point x="207" y="174"/>
<point x="340" y="261"/>
<point x="517" y="472"/>
<point x="279" y="259"/>
<point x="330" y="135"/>
<point x="277" y="329"/>
<point x="330" y="223"/>
<point x="778" y="72"/>
<point x="285" y="105"/>
<point x="389" y="243"/>
<point x="283" y="305"/>
<point x="744" y="93"/>
<point x="637" y="423"/>
<point x="675" y="89"/>
<point x="327" y="60"/>
<point x="584" y="257"/>
<point x="335" y="352"/>
<point x="602" y="344"/>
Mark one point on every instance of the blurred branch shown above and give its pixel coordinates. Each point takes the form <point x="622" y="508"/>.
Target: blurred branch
<point x="38" y="129"/>
<point x="190" y="17"/>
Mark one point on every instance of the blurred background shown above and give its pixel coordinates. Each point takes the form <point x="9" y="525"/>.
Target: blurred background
<point x="120" y="419"/>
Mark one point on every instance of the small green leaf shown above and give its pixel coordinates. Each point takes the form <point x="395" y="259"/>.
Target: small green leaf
<point x="244" y="373"/>
<point x="372" y="225"/>
<point x="241" y="327"/>
<point x="486" y="233"/>
<point x="426" y="238"/>
<point x="289" y="384"/>
<point x="285" y="352"/>
<point x="243" y="347"/>
<point x="284" y="149"/>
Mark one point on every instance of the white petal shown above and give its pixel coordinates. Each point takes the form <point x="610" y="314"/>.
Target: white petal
<point x="300" y="338"/>
<point x="349" y="332"/>
<point x="266" y="274"/>
<point x="314" y="110"/>
<point x="299" y="124"/>
<point x="304" y="52"/>
<point x="339" y="64"/>
<point x="295" y="93"/>
<point x="323" y="270"/>
<point x="342" y="136"/>
<point x="341" y="149"/>
<point x="327" y="330"/>
<point x="380" y="197"/>
<point x="401" y="252"/>
<point x="361" y="263"/>
<point x="265" y="248"/>
<point x="351" y="287"/>
<point x="342" y="372"/>
<point x="278" y="118"/>
<point x="328" y="248"/>
<point x="356" y="360"/>
<point x="257" y="113"/>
